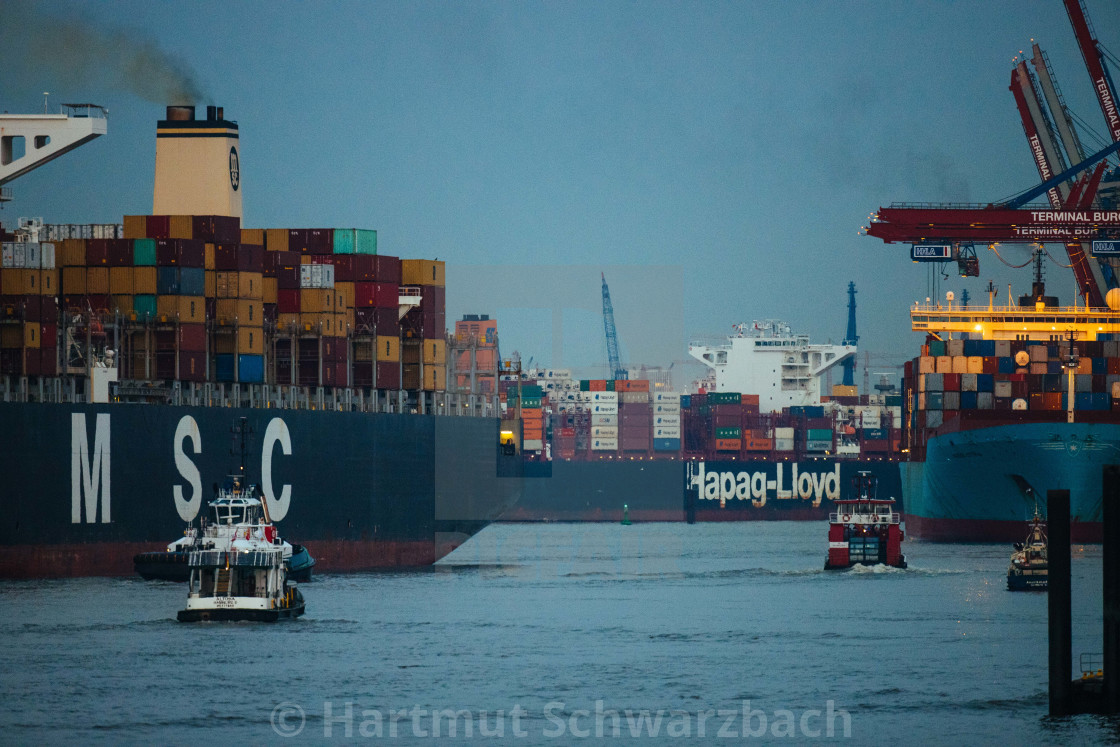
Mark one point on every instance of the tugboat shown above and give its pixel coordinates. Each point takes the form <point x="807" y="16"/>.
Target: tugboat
<point x="237" y="567"/>
<point x="864" y="530"/>
<point x="1029" y="569"/>
<point x="172" y="564"/>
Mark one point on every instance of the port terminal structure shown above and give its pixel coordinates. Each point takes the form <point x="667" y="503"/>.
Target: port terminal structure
<point x="27" y="141"/>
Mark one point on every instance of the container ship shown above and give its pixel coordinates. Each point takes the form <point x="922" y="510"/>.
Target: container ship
<point x="1028" y="402"/>
<point x="759" y="442"/>
<point x="128" y="350"/>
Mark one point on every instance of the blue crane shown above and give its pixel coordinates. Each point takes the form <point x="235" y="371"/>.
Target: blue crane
<point x="851" y="338"/>
<point x="616" y="370"/>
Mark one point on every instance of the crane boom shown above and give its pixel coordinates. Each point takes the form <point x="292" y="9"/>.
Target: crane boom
<point x="616" y="370"/>
<point x="1094" y="63"/>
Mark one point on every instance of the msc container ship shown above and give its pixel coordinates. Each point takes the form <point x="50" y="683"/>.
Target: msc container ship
<point x="127" y="352"/>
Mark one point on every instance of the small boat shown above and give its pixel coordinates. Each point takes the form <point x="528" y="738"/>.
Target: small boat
<point x="1029" y="568"/>
<point x="864" y="529"/>
<point x="172" y="564"/>
<point x="237" y="566"/>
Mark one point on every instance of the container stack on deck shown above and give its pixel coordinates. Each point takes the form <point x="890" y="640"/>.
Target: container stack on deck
<point x="992" y="380"/>
<point x="198" y="298"/>
<point x="607" y="419"/>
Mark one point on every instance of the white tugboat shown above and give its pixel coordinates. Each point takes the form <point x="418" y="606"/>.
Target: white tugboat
<point x="238" y="572"/>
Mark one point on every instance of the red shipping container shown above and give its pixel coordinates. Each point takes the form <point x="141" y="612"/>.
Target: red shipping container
<point x="250" y="258"/>
<point x="180" y="253"/>
<point x="32" y="361"/>
<point x="48" y="361"/>
<point x="120" y="252"/>
<point x="386" y="295"/>
<point x="192" y="337"/>
<point x="97" y="303"/>
<point x="320" y="240"/>
<point x="433" y="298"/>
<point x="48" y="335"/>
<point x="387" y="323"/>
<point x="97" y="252"/>
<point x="297" y="240"/>
<point x="287" y="301"/>
<point x="227" y="229"/>
<point x="158" y="226"/>
<point x="388" y="375"/>
<point x="343" y="267"/>
<point x="32" y="306"/>
<point x="225" y="257"/>
<point x="386" y="269"/>
<point x="364" y="295"/>
<point x="192" y="366"/>
<point x="287" y="278"/>
<point x="952" y="382"/>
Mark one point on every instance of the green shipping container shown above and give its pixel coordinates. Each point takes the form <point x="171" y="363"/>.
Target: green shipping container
<point x="144" y="253"/>
<point x="729" y="432"/>
<point x="365" y="241"/>
<point x="143" y="304"/>
<point x="725" y="398"/>
<point x="529" y="403"/>
<point x="343" y="241"/>
<point x="585" y="385"/>
<point x="819" y="434"/>
<point x="610" y="385"/>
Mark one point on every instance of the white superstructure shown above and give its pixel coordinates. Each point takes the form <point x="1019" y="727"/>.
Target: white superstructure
<point x="766" y="358"/>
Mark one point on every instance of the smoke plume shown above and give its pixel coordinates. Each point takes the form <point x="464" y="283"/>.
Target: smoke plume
<point x="45" y="52"/>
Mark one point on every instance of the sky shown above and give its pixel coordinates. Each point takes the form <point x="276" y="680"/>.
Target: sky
<point x="714" y="160"/>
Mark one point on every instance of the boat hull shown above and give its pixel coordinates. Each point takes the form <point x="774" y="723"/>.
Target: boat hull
<point x="89" y="487"/>
<point x="980" y="485"/>
<point x="239" y="615"/>
<point x="691" y="491"/>
<point x="172" y="566"/>
<point x="1019" y="582"/>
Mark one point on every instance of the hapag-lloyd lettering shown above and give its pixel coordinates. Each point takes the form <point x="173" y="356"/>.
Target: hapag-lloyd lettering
<point x="799" y="482"/>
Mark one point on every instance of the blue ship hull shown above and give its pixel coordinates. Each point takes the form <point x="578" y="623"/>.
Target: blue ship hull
<point x="981" y="485"/>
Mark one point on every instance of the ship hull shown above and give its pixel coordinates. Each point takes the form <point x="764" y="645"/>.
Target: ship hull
<point x="980" y="485"/>
<point x="692" y="491"/>
<point x="88" y="487"/>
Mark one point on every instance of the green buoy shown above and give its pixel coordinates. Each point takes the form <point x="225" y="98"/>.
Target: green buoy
<point x="625" y="515"/>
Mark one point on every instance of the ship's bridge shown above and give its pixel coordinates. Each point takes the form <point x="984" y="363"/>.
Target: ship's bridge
<point x="1015" y="323"/>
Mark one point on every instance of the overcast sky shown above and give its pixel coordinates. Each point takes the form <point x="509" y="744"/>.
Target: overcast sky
<point x="715" y="160"/>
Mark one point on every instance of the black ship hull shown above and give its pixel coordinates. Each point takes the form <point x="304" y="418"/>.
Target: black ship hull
<point x="89" y="487"/>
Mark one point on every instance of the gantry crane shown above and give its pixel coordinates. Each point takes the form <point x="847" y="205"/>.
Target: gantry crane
<point x="616" y="369"/>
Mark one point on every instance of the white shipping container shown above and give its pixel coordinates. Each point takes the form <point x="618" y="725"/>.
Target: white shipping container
<point x="604" y="431"/>
<point x="532" y="444"/>
<point x="785" y="434"/>
<point x="633" y="398"/>
<point x="604" y="396"/>
<point x="8" y="255"/>
<point x="783" y="444"/>
<point x="667" y="397"/>
<point x="316" y="276"/>
<point x="670" y="408"/>
<point x="46" y="256"/>
<point x="32" y="256"/>
<point x="86" y="231"/>
<point x="870" y="418"/>
<point x="19" y="255"/>
<point x="604" y="420"/>
<point x="305" y="276"/>
<point x="604" y="408"/>
<point x="668" y="432"/>
<point x="328" y="276"/>
<point x="604" y="444"/>
<point x="667" y="420"/>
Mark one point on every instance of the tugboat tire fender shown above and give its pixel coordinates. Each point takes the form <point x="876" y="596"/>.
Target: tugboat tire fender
<point x="846" y="518"/>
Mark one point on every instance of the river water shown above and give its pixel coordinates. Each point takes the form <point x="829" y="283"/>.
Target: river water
<point x="547" y="634"/>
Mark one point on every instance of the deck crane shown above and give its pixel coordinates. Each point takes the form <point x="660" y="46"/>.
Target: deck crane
<point x="616" y="369"/>
<point x="1094" y="63"/>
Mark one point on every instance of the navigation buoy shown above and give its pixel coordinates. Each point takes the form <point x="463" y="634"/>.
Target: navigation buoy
<point x="625" y="515"/>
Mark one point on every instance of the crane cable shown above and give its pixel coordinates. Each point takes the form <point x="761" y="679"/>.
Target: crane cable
<point x="1051" y="256"/>
<point x="1001" y="259"/>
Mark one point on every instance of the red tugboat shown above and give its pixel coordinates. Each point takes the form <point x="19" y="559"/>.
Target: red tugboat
<point x="864" y="530"/>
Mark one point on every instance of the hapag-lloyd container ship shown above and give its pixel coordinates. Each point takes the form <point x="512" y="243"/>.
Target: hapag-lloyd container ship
<point x="759" y="445"/>
<point x="127" y="353"/>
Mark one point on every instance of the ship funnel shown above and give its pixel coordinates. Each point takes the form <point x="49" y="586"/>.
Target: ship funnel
<point x="198" y="164"/>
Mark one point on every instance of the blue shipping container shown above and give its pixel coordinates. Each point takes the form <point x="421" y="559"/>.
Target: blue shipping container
<point x="224" y="367"/>
<point x="686" y="401"/>
<point x="250" y="368"/>
<point x="968" y="400"/>
<point x="192" y="281"/>
<point x="167" y="281"/>
<point x="937" y="347"/>
<point x="666" y="444"/>
<point x="985" y="382"/>
<point x="1006" y="365"/>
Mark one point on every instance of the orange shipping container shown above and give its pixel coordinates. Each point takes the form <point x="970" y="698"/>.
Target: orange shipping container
<point x="729" y="444"/>
<point x="749" y="399"/>
<point x="73" y="281"/>
<point x="532" y="434"/>
<point x="31" y="334"/>
<point x="71" y="252"/>
<point x="48" y="284"/>
<point x="250" y="340"/>
<point x="435" y="377"/>
<point x="249" y="285"/>
<point x="182" y="227"/>
<point x="97" y="281"/>
<point x="275" y="239"/>
<point x="633" y="385"/>
<point x="143" y="280"/>
<point x="320" y="321"/>
<point x="269" y="294"/>
<point x="252" y="236"/>
<point x="28" y="282"/>
<point x="120" y="281"/>
<point x="422" y="272"/>
<point x="344" y="296"/>
<point x="190" y="309"/>
<point x="316" y="300"/>
<point x="597" y="385"/>
<point x="121" y="304"/>
<point x="285" y="322"/>
<point x="435" y="352"/>
<point x="758" y="444"/>
<point x="388" y="349"/>
<point x="210" y="284"/>
<point x="209" y="254"/>
<point x="136" y="226"/>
